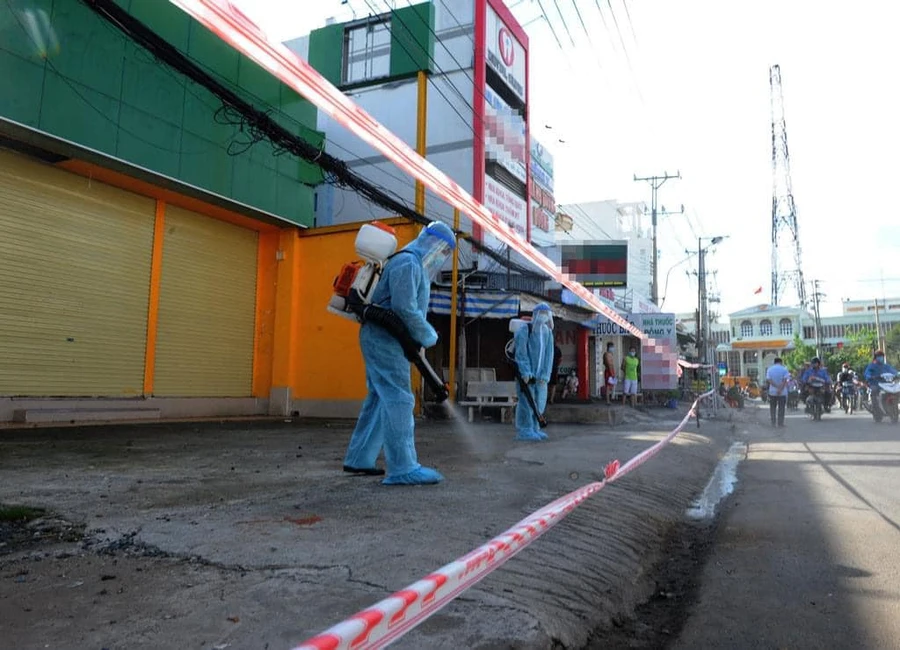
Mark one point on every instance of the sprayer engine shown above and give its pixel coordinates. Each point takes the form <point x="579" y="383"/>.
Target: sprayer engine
<point x="356" y="282"/>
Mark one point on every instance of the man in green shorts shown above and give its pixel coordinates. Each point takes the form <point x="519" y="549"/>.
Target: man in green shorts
<point x="630" y="368"/>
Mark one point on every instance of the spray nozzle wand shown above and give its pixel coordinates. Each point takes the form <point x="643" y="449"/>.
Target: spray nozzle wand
<point x="412" y="350"/>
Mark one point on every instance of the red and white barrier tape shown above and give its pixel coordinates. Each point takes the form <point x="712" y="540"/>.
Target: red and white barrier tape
<point x="388" y="620"/>
<point x="236" y="29"/>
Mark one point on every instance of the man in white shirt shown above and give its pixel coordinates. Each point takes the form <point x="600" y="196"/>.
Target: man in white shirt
<point x="777" y="377"/>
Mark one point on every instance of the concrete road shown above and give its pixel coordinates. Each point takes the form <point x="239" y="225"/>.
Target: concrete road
<point x="807" y="554"/>
<point x="249" y="535"/>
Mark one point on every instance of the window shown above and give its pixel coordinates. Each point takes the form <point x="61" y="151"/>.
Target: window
<point x="786" y="327"/>
<point x="746" y="329"/>
<point x="765" y="328"/>
<point x="367" y="51"/>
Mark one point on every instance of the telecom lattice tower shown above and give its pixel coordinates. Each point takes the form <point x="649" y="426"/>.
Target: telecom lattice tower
<point x="785" y="235"/>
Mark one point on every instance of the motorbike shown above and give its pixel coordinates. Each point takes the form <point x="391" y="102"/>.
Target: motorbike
<point x="888" y="398"/>
<point x="864" y="402"/>
<point x="817" y="399"/>
<point x="849" y="396"/>
<point x="793" y="398"/>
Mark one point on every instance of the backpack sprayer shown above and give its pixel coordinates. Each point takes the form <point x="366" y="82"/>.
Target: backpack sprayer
<point x="352" y="298"/>
<point x="515" y="325"/>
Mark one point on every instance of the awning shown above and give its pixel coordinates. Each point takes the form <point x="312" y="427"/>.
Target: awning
<point x="527" y="303"/>
<point x="693" y="366"/>
<point x="759" y="345"/>
<point x="477" y="304"/>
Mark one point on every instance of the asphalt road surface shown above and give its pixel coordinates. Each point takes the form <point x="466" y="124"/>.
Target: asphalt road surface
<point x="807" y="551"/>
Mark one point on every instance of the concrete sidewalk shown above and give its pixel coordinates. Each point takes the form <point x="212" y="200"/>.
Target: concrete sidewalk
<point x="248" y="535"/>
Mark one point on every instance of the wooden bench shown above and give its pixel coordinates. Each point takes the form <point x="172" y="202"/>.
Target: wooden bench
<point x="493" y="394"/>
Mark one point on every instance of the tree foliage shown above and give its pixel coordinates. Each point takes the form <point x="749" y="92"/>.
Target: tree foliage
<point x="801" y="353"/>
<point x="857" y="352"/>
<point x="892" y="344"/>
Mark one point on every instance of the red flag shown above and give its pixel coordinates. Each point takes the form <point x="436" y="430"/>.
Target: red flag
<point x="757" y="292"/>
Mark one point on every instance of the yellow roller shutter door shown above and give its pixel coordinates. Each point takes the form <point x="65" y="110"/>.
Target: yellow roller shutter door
<point x="207" y="308"/>
<point x="74" y="283"/>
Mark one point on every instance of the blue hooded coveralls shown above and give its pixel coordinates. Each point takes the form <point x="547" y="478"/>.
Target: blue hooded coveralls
<point x="534" y="358"/>
<point x="386" y="419"/>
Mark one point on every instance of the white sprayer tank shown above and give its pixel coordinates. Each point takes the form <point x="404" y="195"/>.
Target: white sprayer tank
<point x="375" y="243"/>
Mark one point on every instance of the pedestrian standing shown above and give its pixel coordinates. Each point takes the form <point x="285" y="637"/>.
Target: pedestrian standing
<point x="777" y="378"/>
<point x="630" y="366"/>
<point x="609" y="372"/>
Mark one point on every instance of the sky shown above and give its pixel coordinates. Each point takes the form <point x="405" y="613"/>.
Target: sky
<point x="683" y="85"/>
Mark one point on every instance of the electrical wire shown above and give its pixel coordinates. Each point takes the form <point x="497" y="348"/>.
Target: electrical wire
<point x="74" y="88"/>
<point x="258" y="123"/>
<point x="563" y="19"/>
<point x="630" y="23"/>
<point x="494" y="253"/>
<point x="478" y="136"/>
<point x="552" y="30"/>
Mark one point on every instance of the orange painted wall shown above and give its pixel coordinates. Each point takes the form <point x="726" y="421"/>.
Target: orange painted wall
<point x="327" y="363"/>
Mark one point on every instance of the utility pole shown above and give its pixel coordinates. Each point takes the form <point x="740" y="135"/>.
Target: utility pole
<point x="701" y="300"/>
<point x="818" y="316"/>
<point x="879" y="337"/>
<point x="655" y="183"/>
<point x="704" y="331"/>
<point x="703" y="303"/>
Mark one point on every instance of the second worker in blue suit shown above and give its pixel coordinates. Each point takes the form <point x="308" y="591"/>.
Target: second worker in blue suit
<point x="386" y="419"/>
<point x="534" y="358"/>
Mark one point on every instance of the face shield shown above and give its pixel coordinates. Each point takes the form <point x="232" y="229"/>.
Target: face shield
<point x="542" y="316"/>
<point x="435" y="243"/>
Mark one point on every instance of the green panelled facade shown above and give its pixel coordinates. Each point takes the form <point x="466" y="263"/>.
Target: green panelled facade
<point x="71" y="74"/>
<point x="411" y="50"/>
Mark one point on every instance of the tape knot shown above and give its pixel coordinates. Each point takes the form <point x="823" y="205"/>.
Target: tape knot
<point x="611" y="469"/>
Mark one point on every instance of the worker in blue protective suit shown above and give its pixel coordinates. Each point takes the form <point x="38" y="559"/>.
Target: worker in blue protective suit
<point x="534" y="359"/>
<point x="386" y="419"/>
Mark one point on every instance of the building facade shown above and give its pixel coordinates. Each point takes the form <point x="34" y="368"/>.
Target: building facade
<point x="755" y="336"/>
<point x="612" y="220"/>
<point x="468" y="113"/>
<point x="154" y="262"/>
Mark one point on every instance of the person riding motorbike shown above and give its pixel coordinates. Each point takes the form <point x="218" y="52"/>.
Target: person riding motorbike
<point x="845" y="375"/>
<point x="872" y="375"/>
<point x="817" y="370"/>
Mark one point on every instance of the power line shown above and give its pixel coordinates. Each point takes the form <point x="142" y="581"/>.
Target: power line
<point x="563" y="19"/>
<point x="260" y="125"/>
<point x="630" y="23"/>
<point x="552" y="31"/>
<point x="655" y="183"/>
<point x="624" y="49"/>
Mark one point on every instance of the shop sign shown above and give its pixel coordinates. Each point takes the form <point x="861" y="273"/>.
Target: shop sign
<point x="506" y="205"/>
<point x="505" y="55"/>
<point x="504" y="135"/>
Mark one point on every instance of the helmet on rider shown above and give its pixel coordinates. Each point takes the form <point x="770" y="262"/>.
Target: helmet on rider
<point x="816" y="361"/>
